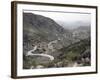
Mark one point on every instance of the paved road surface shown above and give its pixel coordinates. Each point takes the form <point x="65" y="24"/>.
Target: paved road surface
<point x="31" y="52"/>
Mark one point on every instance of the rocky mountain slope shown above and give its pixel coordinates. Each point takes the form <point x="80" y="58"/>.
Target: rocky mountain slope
<point x="66" y="46"/>
<point x="39" y="29"/>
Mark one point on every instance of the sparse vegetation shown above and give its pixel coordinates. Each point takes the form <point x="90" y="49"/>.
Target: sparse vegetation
<point x="67" y="47"/>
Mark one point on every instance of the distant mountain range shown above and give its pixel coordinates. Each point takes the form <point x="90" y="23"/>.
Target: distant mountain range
<point x="74" y="25"/>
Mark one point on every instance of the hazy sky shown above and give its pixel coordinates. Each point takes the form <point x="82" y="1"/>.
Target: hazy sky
<point x="66" y="18"/>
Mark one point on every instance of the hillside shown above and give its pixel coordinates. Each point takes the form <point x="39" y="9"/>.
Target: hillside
<point x="43" y="35"/>
<point x="79" y="52"/>
<point x="39" y="29"/>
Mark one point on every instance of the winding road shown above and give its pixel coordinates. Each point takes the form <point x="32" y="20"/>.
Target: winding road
<point x="51" y="58"/>
<point x="31" y="52"/>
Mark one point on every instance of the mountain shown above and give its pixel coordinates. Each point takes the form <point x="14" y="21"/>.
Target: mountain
<point x="74" y="24"/>
<point x="48" y="37"/>
<point x="38" y="29"/>
<point x="82" y="32"/>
